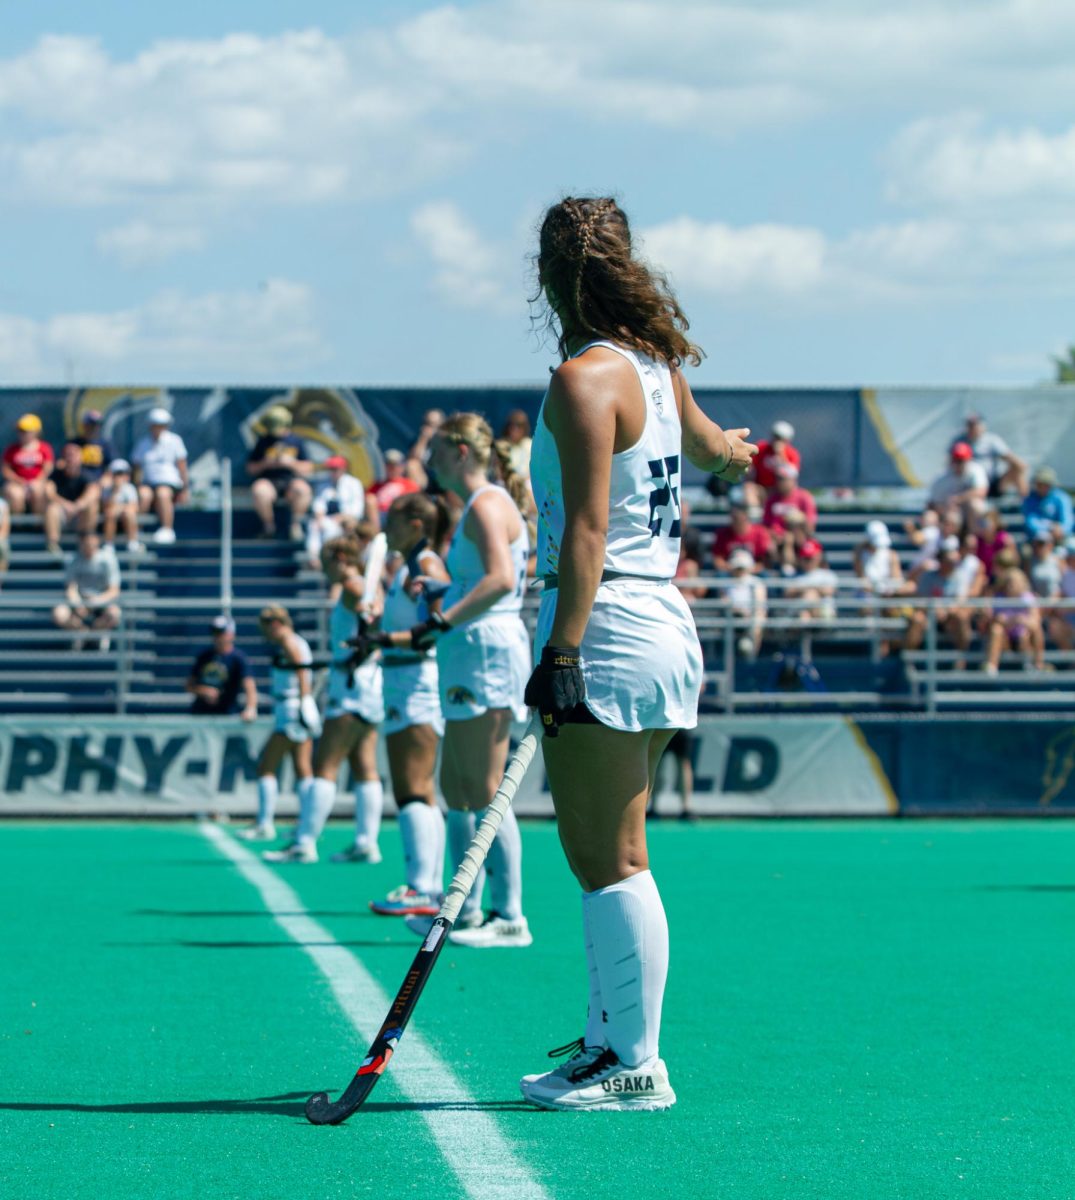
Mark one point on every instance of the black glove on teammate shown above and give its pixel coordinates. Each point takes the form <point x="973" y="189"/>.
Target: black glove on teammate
<point x="556" y="686"/>
<point x="425" y="633"/>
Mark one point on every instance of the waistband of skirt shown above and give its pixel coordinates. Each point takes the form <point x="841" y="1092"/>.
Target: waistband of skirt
<point x="551" y="582"/>
<point x="402" y="660"/>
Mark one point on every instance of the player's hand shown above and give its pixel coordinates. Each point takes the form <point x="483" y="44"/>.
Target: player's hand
<point x="425" y="634"/>
<point x="368" y="642"/>
<point x="742" y="454"/>
<point x="249" y="714"/>
<point x="556" y="686"/>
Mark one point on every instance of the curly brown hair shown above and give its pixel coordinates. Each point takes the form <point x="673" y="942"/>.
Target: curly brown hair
<point x="595" y="286"/>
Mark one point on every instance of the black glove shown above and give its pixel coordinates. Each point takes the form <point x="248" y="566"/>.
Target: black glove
<point x="425" y="633"/>
<point x="556" y="686"/>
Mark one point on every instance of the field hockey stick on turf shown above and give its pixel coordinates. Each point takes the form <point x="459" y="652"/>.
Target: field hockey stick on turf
<point x="319" y="1109"/>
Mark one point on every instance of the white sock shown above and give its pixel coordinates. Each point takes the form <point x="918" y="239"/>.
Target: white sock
<point x="461" y="826"/>
<point x="268" y="790"/>
<point x="304" y="835"/>
<point x="418" y="832"/>
<point x="322" y="798"/>
<point x="595" y="1010"/>
<point x="506" y="868"/>
<point x="630" y="942"/>
<point x="437" y="876"/>
<point x="369" y="804"/>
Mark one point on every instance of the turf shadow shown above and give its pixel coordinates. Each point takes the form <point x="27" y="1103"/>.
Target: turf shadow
<point x="1027" y="887"/>
<point x="285" y="944"/>
<point x="289" y="1104"/>
<point x="252" y="912"/>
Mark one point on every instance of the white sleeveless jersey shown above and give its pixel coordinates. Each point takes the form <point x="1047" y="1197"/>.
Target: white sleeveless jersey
<point x="342" y="625"/>
<point x="284" y="684"/>
<point x="465" y="565"/>
<point x="401" y="610"/>
<point x="644" y="510"/>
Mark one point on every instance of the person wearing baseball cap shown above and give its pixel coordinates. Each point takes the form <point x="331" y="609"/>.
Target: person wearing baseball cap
<point x="340" y="500"/>
<point x="964" y="485"/>
<point x="790" y="515"/>
<point x="746" y="596"/>
<point x="26" y="467"/>
<point x="1048" y="506"/>
<point x="97" y="450"/>
<point x="814" y="584"/>
<point x="219" y="673"/>
<point x="1006" y="471"/>
<point x="395" y="482"/>
<point x="119" y="504"/>
<point x="773" y="452"/>
<point x="160" y="470"/>
<point x="280" y="468"/>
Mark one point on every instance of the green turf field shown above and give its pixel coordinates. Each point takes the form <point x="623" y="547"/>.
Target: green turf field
<point x="866" y="1009"/>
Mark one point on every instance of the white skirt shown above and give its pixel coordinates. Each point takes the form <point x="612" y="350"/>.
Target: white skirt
<point x="412" y="697"/>
<point x="357" y="695"/>
<point x="641" y="659"/>
<point x="286" y="720"/>
<point x="484" y="665"/>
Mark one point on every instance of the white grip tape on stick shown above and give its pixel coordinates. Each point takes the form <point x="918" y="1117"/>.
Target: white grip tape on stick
<point x="467" y="872"/>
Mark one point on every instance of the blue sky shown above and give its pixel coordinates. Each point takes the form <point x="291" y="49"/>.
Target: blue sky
<point x="842" y="192"/>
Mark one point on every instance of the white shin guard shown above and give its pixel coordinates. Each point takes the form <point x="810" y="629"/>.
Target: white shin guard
<point x="304" y="834"/>
<point x="505" y="869"/>
<point x="322" y="798"/>
<point x="629" y="933"/>
<point x="369" y="804"/>
<point x="461" y="826"/>
<point x="595" y="1010"/>
<point x="268" y="791"/>
<point x="421" y="841"/>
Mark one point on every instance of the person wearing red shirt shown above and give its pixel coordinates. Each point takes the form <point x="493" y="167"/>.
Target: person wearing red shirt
<point x="395" y="483"/>
<point x="26" y="466"/>
<point x="772" y="453"/>
<point x="790" y="515"/>
<point x="742" y="532"/>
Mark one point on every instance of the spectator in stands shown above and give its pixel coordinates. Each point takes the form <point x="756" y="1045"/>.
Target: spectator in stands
<point x="877" y="565"/>
<point x="395" y="482"/>
<point x="690" y="556"/>
<point x="340" y="494"/>
<point x="1005" y="471"/>
<point x="746" y="597"/>
<point x="418" y="455"/>
<point x="91" y="590"/>
<point x="1048" y="506"/>
<point x="71" y="499"/>
<point x="517" y="431"/>
<point x="944" y="582"/>
<point x="814" y="584"/>
<point x="26" y="466"/>
<point x="1043" y="566"/>
<point x="220" y="673"/>
<point x="119" y="503"/>
<point x="773" y="452"/>
<point x="964" y="485"/>
<point x="790" y="516"/>
<point x="97" y="450"/>
<point x="1062" y="620"/>
<point x="992" y="538"/>
<point x="1015" y="622"/>
<point x="5" y="534"/>
<point x="926" y="536"/>
<point x="971" y="568"/>
<point x="280" y="465"/>
<point x="742" y="532"/>
<point x="160" y="471"/>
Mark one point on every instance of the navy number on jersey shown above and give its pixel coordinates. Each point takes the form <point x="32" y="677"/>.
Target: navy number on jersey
<point x="664" y="510"/>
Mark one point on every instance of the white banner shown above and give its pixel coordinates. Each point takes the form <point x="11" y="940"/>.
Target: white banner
<point x="743" y="766"/>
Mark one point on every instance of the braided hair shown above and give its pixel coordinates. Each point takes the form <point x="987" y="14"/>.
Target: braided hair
<point x="595" y="286"/>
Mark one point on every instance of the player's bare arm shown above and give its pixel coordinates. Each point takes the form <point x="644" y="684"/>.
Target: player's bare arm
<point x="721" y="452"/>
<point x="487" y="526"/>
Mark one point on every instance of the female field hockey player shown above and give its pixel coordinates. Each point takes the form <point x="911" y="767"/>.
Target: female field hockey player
<point x="413" y="722"/>
<point x="355" y="709"/>
<point x="483" y="658"/>
<point x="296" y="722"/>
<point x="619" y="664"/>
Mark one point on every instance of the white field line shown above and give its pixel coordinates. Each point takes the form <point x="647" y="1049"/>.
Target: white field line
<point x="469" y="1139"/>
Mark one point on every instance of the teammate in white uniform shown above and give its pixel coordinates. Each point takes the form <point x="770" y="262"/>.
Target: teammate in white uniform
<point x="483" y="657"/>
<point x="619" y="664"/>
<point x="413" y="721"/>
<point x="296" y="722"/>
<point x="355" y="708"/>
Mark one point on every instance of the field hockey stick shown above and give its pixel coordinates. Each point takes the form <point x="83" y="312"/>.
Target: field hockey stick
<point x="319" y="1109"/>
<point x="371" y="577"/>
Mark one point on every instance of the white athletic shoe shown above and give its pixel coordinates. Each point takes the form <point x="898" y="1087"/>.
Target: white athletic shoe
<point x="420" y="926"/>
<point x="580" y="1055"/>
<point x="606" y="1084"/>
<point x="257" y="833"/>
<point x="163" y="536"/>
<point x="297" y="852"/>
<point x="358" y="854"/>
<point x="495" y="930"/>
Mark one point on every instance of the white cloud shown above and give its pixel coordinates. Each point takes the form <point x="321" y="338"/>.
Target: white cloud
<point x="140" y="244"/>
<point x="469" y="270"/>
<point x="245" y="335"/>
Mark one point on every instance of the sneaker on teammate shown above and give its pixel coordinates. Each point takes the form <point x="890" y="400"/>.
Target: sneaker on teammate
<point x="466" y="920"/>
<point x="495" y="930"/>
<point x="578" y="1055"/>
<point x="605" y="1083"/>
<point x="359" y="852"/>
<point x="297" y="852"/>
<point x="257" y="832"/>
<point x="406" y="901"/>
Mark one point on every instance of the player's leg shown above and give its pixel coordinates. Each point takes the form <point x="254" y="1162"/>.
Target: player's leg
<point x="412" y="759"/>
<point x="601" y="780"/>
<point x="368" y="793"/>
<point x="303" y="848"/>
<point x="336" y="739"/>
<point x="268" y="785"/>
